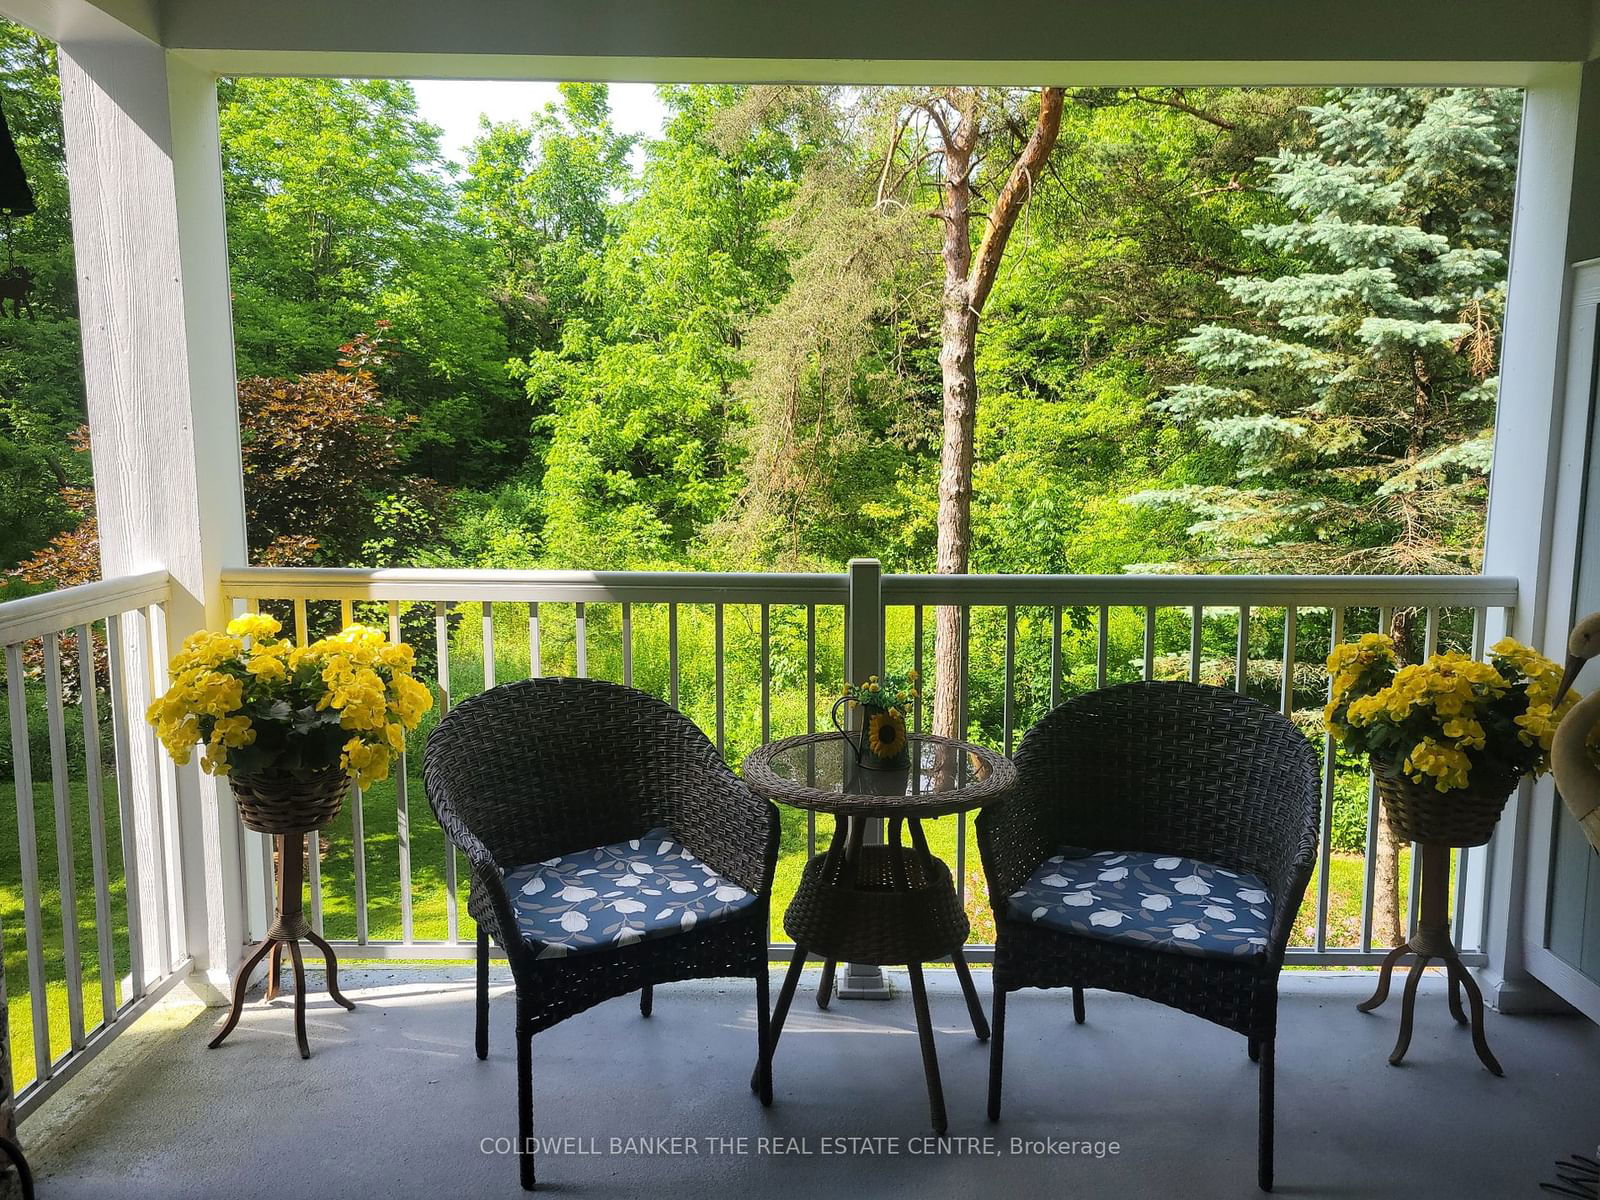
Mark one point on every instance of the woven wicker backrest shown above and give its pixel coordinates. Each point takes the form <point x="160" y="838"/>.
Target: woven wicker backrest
<point x="1175" y="768"/>
<point x="547" y="766"/>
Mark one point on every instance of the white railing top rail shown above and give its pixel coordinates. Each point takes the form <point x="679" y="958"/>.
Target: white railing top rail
<point x="596" y="587"/>
<point x="733" y="587"/>
<point x="51" y="612"/>
<point x="1270" y="591"/>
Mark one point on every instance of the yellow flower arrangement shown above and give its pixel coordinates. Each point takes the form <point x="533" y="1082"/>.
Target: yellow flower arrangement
<point x="1450" y="719"/>
<point x="884" y="703"/>
<point x="256" y="701"/>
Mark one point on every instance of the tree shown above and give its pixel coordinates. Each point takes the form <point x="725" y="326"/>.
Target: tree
<point x="324" y="483"/>
<point x="964" y="127"/>
<point x="341" y="213"/>
<point x="1353" y="407"/>
<point x="635" y="396"/>
<point x="546" y="195"/>
<point x="41" y="374"/>
<point x="1140" y="206"/>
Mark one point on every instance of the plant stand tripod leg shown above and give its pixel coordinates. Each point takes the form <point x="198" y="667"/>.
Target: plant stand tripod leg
<point x="240" y="982"/>
<point x="1408" y="1008"/>
<point x="980" y="1026"/>
<point x="299" y="999"/>
<point x="1455" y="993"/>
<point x="1475" y="1000"/>
<point x="1384" y="972"/>
<point x="331" y="962"/>
<point x="274" y="971"/>
<point x="275" y="965"/>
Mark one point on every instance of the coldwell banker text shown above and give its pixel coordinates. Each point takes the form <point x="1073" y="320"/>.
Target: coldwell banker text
<point x="842" y="1145"/>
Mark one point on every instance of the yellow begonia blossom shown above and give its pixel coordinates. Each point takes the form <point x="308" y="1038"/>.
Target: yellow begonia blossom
<point x="398" y="656"/>
<point x="254" y="625"/>
<point x="267" y="667"/>
<point x="365" y="762"/>
<point x="1445" y="765"/>
<point x="1464" y="731"/>
<point x="411" y="700"/>
<point x="357" y="673"/>
<point x="1451" y="709"/>
<point x="233" y="732"/>
<point x="1536" y="726"/>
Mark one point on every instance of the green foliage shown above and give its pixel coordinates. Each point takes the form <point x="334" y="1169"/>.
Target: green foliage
<point x="1352" y="404"/>
<point x="634" y="391"/>
<point x="41" y="374"/>
<point x="718" y="347"/>
<point x="341" y="215"/>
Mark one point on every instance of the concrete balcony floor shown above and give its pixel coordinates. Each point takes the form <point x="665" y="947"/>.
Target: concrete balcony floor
<point x="394" y="1104"/>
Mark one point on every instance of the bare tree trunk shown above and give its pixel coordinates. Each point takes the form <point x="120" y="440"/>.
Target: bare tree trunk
<point x="1387" y="927"/>
<point x="959" y="334"/>
<point x="958" y="339"/>
<point x="967" y="280"/>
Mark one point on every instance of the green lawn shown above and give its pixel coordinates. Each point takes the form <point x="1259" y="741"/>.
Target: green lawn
<point x="12" y="920"/>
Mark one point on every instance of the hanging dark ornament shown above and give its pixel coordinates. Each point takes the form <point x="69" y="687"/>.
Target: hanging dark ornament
<point x="16" y="198"/>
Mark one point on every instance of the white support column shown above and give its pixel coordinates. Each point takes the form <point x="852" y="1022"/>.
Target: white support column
<point x="144" y="166"/>
<point x="863" y="657"/>
<point x="1532" y="515"/>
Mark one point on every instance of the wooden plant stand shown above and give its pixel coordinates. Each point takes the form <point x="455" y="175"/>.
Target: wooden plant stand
<point x="1431" y="940"/>
<point x="289" y="925"/>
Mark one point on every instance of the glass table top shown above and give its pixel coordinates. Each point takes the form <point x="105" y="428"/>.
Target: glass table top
<point x="820" y="771"/>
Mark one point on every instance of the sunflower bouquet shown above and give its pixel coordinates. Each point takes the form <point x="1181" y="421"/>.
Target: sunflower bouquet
<point x="257" y="702"/>
<point x="1451" y="723"/>
<point x="883" y="702"/>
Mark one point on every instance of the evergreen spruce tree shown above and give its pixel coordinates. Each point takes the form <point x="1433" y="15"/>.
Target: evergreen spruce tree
<point x="1352" y="409"/>
<point x="1354" y="405"/>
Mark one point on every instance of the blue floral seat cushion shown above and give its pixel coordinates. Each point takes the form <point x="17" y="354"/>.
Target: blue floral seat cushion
<point x="1158" y="901"/>
<point x="617" y="895"/>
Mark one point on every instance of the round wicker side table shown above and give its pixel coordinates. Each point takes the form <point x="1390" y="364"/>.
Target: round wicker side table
<point x="287" y="808"/>
<point x="888" y="904"/>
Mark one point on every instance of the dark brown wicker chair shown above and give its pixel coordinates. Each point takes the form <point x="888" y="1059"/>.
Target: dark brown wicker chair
<point x="529" y="771"/>
<point x="1167" y="769"/>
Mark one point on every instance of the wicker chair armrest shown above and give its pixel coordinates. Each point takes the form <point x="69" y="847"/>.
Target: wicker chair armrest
<point x="486" y="872"/>
<point x="726" y="825"/>
<point x="1292" y="874"/>
<point x="1015" y="835"/>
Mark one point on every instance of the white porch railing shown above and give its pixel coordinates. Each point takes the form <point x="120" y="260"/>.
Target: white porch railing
<point x="749" y="656"/>
<point x="95" y="949"/>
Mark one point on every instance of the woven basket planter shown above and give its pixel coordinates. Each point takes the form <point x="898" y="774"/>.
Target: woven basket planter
<point x="1418" y="812"/>
<point x="283" y="802"/>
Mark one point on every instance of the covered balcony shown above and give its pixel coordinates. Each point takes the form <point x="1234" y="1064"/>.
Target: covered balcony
<point x="145" y="893"/>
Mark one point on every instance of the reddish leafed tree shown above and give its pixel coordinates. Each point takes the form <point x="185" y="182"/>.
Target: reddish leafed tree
<point x="323" y="480"/>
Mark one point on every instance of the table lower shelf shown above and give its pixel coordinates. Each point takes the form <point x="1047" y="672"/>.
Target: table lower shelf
<point x="883" y="905"/>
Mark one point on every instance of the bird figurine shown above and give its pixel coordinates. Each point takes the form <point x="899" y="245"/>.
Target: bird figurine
<point x="1571" y="760"/>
